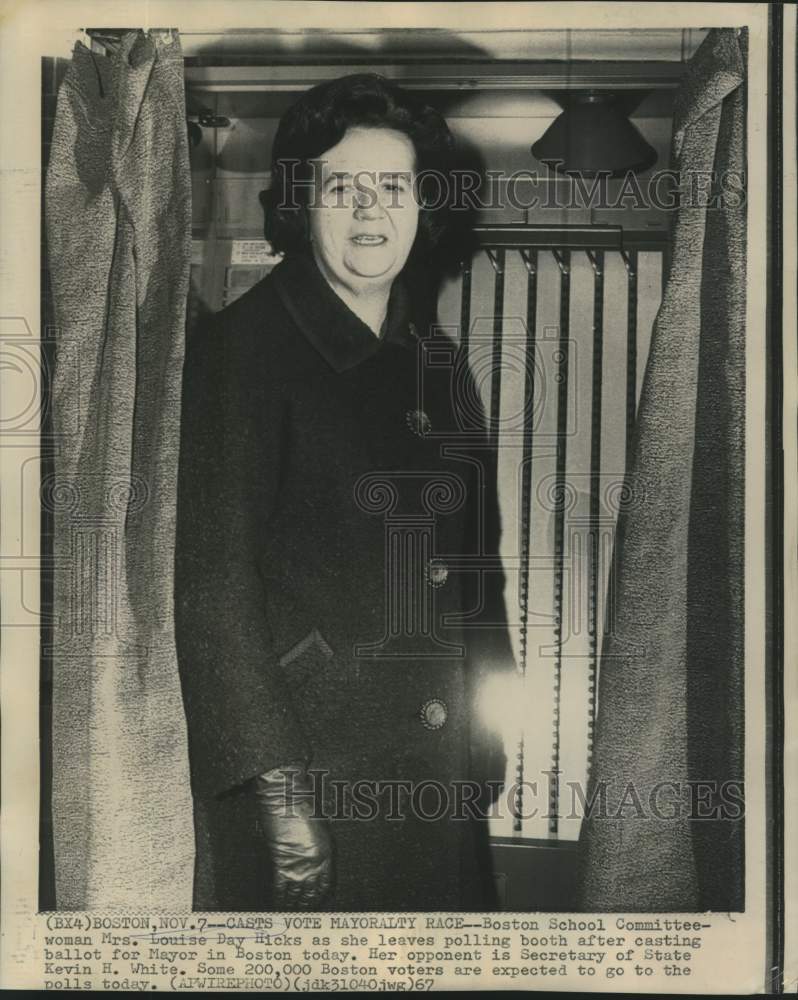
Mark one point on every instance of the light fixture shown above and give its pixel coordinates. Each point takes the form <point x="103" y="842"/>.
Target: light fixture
<point x="594" y="136"/>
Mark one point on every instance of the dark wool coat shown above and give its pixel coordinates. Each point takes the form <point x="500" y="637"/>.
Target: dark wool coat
<point x="336" y="516"/>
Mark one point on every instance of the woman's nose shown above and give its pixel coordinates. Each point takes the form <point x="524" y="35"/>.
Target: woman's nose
<point x="367" y="204"/>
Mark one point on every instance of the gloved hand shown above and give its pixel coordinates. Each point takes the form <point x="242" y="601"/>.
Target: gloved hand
<point x="299" y="843"/>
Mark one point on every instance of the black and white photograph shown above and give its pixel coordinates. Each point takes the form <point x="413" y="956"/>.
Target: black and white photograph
<point x="406" y="471"/>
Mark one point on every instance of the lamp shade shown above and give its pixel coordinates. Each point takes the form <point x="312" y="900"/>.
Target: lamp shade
<point x="594" y="135"/>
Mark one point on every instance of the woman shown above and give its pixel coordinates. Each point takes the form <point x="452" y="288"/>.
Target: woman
<point x="334" y="484"/>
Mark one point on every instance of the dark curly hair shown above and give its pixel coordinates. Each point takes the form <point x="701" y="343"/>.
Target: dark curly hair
<point x="319" y="120"/>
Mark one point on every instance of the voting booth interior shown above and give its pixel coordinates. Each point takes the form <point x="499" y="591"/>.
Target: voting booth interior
<point x="554" y="298"/>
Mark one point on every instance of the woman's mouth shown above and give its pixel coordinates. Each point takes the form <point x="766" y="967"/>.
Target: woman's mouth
<point x="366" y="240"/>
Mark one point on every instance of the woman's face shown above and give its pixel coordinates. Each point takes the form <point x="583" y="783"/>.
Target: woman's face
<point x="365" y="216"/>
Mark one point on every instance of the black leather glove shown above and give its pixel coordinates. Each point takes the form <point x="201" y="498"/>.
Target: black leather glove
<point x="299" y="843"/>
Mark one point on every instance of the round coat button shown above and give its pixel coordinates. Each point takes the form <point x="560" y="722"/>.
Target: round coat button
<point x="418" y="422"/>
<point x="437" y="572"/>
<point x="433" y="714"/>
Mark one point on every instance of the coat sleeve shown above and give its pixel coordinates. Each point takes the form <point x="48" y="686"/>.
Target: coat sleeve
<point x="238" y="709"/>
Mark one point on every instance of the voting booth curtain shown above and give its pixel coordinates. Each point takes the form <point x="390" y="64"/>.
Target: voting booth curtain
<point x="665" y="827"/>
<point x="118" y="227"/>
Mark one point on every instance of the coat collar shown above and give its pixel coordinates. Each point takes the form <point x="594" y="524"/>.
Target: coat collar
<point x="340" y="336"/>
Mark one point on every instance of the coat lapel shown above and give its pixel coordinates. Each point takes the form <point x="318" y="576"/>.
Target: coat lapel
<point x="340" y="336"/>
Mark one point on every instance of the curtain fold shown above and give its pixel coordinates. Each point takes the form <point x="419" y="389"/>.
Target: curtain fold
<point x="118" y="226"/>
<point x="665" y="828"/>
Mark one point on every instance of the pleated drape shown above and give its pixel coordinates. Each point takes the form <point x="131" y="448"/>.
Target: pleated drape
<point x="118" y="225"/>
<point x="666" y="828"/>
